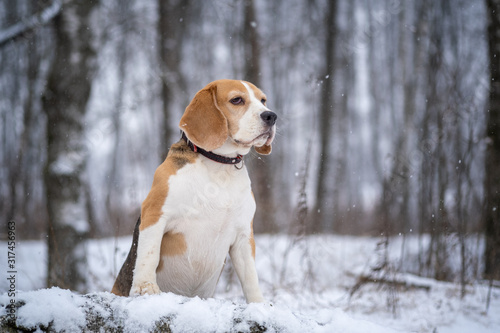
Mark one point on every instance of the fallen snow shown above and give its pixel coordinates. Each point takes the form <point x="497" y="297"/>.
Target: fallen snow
<point x="306" y="281"/>
<point x="65" y="310"/>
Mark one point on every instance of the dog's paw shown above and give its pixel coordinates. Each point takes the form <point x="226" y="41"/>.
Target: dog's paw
<point x="145" y="288"/>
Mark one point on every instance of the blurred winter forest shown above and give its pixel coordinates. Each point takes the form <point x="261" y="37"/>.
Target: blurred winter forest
<point x="382" y="114"/>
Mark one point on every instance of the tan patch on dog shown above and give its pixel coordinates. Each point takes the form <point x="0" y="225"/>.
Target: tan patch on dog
<point x="256" y="91"/>
<point x="203" y="122"/>
<point x="226" y="91"/>
<point x="264" y="150"/>
<point x="229" y="89"/>
<point x="172" y="244"/>
<point x="178" y="156"/>
<point x="211" y="117"/>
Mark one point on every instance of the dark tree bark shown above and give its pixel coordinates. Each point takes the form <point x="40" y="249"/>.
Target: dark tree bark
<point x="260" y="170"/>
<point x="491" y="213"/>
<point x="65" y="101"/>
<point x="435" y="173"/>
<point x="114" y="186"/>
<point x="251" y="44"/>
<point x="394" y="209"/>
<point x="325" y="119"/>
<point x="25" y="148"/>
<point x="172" y="23"/>
<point x="23" y="58"/>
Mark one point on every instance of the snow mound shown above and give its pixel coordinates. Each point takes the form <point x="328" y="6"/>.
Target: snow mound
<point x="59" y="310"/>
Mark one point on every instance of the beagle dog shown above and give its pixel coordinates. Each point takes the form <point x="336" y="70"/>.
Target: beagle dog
<point x="201" y="206"/>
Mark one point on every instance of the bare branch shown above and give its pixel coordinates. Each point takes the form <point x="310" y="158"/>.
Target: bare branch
<point x="25" y="26"/>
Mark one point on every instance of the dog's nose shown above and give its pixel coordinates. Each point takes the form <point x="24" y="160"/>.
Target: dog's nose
<point x="269" y="117"/>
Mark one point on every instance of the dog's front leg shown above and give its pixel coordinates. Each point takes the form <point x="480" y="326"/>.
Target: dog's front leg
<point x="148" y="257"/>
<point x="244" y="264"/>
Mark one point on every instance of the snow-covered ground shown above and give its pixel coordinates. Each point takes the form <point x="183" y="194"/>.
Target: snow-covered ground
<point x="307" y="281"/>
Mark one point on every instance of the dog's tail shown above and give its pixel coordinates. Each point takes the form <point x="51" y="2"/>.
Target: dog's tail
<point x="123" y="282"/>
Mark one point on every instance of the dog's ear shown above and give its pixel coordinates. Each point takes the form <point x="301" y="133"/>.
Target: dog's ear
<point x="203" y="122"/>
<point x="264" y="150"/>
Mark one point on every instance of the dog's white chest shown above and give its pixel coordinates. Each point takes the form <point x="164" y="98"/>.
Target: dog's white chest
<point x="206" y="196"/>
<point x="210" y="206"/>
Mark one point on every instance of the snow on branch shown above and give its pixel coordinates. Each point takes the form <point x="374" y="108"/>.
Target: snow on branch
<point x="59" y="310"/>
<point x="25" y="26"/>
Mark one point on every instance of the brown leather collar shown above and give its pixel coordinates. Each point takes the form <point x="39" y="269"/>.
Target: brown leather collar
<point x="212" y="156"/>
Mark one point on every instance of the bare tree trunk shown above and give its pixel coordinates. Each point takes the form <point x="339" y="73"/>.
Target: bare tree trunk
<point x="260" y="170"/>
<point x="423" y="188"/>
<point x="10" y="200"/>
<point x="441" y="216"/>
<point x="172" y="22"/>
<point x="65" y="101"/>
<point x="22" y="72"/>
<point x="251" y="44"/>
<point x="114" y="186"/>
<point x="442" y="219"/>
<point x="462" y="222"/>
<point x="435" y="162"/>
<point x="321" y="213"/>
<point x="29" y="120"/>
<point x="342" y="218"/>
<point x="395" y="202"/>
<point x="491" y="213"/>
<point x="432" y="108"/>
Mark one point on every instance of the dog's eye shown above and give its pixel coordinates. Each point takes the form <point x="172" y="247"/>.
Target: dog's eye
<point x="237" y="100"/>
<point x="263" y="101"/>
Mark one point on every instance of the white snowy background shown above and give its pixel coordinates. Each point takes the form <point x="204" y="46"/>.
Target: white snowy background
<point x="310" y="281"/>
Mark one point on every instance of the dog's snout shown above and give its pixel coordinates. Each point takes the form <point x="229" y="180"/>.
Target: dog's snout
<point x="269" y="117"/>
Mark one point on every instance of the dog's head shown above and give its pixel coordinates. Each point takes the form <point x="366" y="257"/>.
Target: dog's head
<point x="230" y="116"/>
